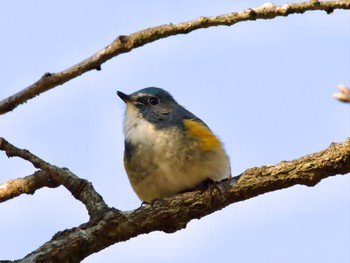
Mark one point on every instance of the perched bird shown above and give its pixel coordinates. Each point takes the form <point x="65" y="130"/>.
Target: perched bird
<point x="167" y="148"/>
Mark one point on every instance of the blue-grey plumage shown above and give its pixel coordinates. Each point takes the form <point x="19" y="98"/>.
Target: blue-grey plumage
<point x="167" y="148"/>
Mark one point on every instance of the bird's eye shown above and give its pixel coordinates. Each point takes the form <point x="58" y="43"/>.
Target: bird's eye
<point x="153" y="101"/>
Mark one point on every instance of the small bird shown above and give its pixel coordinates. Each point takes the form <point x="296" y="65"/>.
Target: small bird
<point x="167" y="148"/>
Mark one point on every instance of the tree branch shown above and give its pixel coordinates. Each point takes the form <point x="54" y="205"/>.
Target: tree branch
<point x="343" y="95"/>
<point x="26" y="185"/>
<point x="81" y="189"/>
<point x="108" y="226"/>
<point x="172" y="214"/>
<point x="123" y="44"/>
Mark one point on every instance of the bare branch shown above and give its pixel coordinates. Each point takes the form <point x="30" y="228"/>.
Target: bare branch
<point x="26" y="185"/>
<point x="80" y="188"/>
<point x="123" y="44"/>
<point x="343" y="95"/>
<point x="108" y="226"/>
<point x="172" y="214"/>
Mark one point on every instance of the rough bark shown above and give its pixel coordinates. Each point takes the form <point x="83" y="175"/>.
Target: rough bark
<point x="108" y="225"/>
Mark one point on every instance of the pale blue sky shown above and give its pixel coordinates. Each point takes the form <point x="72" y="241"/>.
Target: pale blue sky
<point x="263" y="86"/>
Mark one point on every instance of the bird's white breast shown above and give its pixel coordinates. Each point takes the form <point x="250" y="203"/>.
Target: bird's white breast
<point x="137" y="129"/>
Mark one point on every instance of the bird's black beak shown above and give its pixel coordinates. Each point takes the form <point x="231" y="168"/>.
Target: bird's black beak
<point x="126" y="98"/>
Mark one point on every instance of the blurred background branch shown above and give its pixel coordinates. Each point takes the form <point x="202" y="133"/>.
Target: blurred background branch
<point x="343" y="95"/>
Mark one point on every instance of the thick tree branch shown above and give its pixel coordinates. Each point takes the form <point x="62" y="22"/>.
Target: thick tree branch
<point x="81" y="189"/>
<point x="172" y="214"/>
<point x="123" y="44"/>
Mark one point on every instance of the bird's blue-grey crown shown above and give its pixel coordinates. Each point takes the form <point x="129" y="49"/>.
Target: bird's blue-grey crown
<point x="158" y="92"/>
<point x="159" y="107"/>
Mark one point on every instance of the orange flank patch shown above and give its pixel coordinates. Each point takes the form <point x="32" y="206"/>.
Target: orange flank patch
<point x="207" y="140"/>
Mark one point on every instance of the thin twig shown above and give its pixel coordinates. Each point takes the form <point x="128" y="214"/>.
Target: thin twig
<point x="123" y="44"/>
<point x="26" y="185"/>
